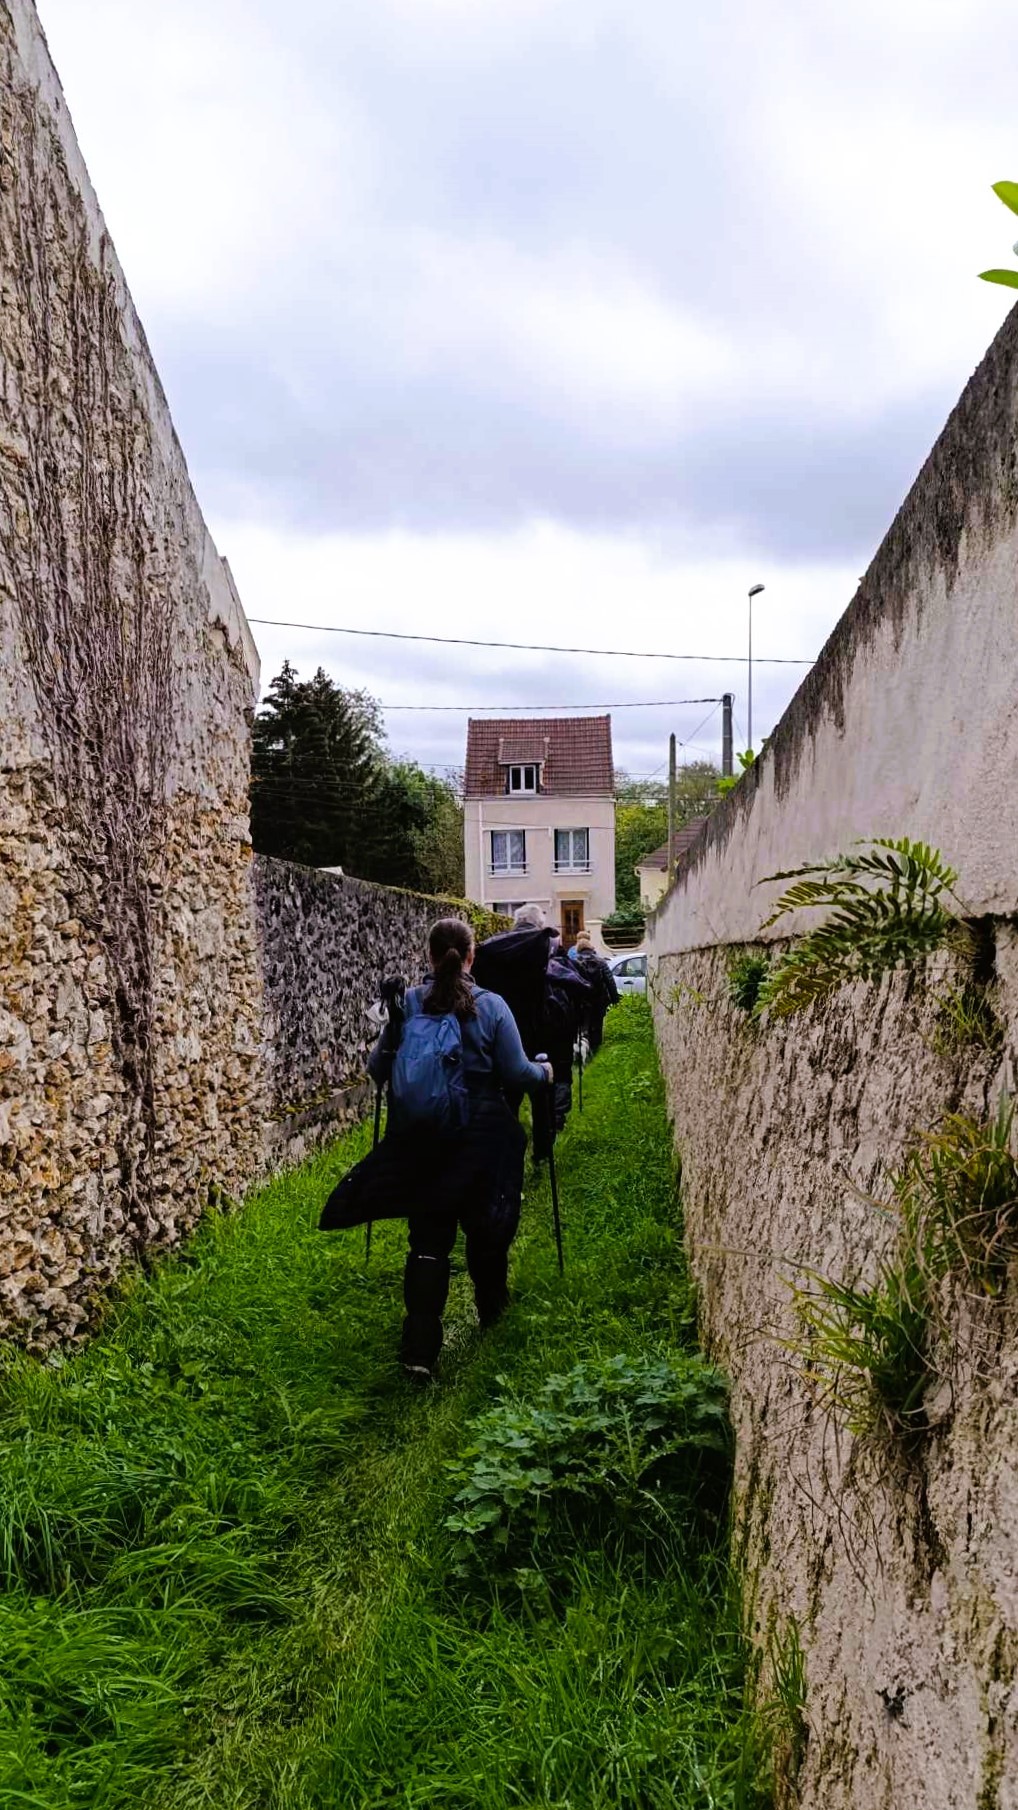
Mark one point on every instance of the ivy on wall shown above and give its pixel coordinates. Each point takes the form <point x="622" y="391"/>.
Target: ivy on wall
<point x="94" y="607"/>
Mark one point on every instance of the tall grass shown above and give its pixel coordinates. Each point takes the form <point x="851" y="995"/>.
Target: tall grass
<point x="225" y="1577"/>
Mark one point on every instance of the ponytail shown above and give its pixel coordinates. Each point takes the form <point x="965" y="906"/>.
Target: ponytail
<point x="450" y="945"/>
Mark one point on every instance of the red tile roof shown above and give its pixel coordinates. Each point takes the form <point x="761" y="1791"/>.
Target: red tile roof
<point x="574" y="752"/>
<point x="522" y="750"/>
<point x="684" y="840"/>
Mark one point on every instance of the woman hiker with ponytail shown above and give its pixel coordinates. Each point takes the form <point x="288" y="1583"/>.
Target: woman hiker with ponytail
<point x="453" y="1152"/>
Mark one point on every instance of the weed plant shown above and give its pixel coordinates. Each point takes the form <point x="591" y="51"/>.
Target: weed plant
<point x="225" y="1575"/>
<point x="620" y="1451"/>
<point x="959" y="1189"/>
<point x="966" y="1021"/>
<point x="955" y="1199"/>
<point x="787" y="1709"/>
<point x="746" y="975"/>
<point x="867" y="1348"/>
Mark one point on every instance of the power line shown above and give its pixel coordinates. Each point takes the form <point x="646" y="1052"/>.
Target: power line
<point x="528" y="647"/>
<point x="515" y="709"/>
<point x="699" y="726"/>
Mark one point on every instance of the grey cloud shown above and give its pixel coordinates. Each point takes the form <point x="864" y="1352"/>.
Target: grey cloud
<point x="445" y="453"/>
<point x="626" y="134"/>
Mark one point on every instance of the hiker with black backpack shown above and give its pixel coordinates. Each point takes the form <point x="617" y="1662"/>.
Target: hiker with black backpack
<point x="603" y="990"/>
<point x="453" y="1153"/>
<point x="547" y="997"/>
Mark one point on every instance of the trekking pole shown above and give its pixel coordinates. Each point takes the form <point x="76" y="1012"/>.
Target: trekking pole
<point x="374" y="1146"/>
<point x="552" y="1177"/>
<point x="393" y="992"/>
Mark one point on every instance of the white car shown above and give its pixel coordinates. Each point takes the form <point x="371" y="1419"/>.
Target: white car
<point x="630" y="971"/>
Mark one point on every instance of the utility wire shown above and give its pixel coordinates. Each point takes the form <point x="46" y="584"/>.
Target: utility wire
<point x="700" y="726"/>
<point x="515" y="709"/>
<point x="528" y="647"/>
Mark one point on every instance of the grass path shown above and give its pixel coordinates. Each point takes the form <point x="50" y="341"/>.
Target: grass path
<point x="225" y="1579"/>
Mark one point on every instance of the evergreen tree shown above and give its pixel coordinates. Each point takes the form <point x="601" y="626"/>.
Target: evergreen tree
<point x="315" y="765"/>
<point x="325" y="792"/>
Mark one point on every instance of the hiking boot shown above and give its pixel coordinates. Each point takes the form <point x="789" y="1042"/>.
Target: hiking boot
<point x="419" y="1374"/>
<point x="491" y="1303"/>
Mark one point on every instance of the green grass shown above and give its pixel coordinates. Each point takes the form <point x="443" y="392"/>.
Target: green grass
<point x="225" y="1577"/>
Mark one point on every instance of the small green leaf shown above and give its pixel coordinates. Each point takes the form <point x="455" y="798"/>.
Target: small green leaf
<point x="1008" y="277"/>
<point x="1008" y="193"/>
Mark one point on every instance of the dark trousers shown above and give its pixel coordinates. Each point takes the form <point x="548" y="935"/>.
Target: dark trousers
<point x="595" y="1031"/>
<point x="426" y="1275"/>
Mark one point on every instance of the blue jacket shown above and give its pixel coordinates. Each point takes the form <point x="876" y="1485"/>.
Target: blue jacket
<point x="493" y="1055"/>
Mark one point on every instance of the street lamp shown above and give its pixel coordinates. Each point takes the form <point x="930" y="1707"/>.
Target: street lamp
<point x="754" y="592"/>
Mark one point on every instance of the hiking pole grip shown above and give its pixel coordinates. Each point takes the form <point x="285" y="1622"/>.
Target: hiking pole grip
<point x="552" y="1177"/>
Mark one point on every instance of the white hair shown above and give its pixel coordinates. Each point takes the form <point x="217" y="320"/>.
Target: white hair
<point x="529" y="917"/>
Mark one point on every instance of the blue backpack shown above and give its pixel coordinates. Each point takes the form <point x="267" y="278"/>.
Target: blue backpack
<point x="428" y="1086"/>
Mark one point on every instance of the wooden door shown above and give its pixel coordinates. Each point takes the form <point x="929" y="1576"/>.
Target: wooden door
<point x="572" y="920"/>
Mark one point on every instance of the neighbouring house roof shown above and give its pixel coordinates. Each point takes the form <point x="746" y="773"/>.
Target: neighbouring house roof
<point x="574" y="754"/>
<point x="684" y="840"/>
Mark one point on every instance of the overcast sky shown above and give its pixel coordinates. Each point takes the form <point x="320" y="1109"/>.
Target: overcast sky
<point x="557" y="320"/>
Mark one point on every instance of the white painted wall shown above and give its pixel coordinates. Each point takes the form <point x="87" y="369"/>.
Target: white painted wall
<point x="900" y="1573"/>
<point x="653" y="886"/>
<point x="907" y="726"/>
<point x="539" y="818"/>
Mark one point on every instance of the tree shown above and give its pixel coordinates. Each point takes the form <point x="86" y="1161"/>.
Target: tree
<point x="639" y="829"/>
<point x="422" y="831"/>
<point x="641" y="818"/>
<point x="326" y="792"/>
<point x="315" y="763"/>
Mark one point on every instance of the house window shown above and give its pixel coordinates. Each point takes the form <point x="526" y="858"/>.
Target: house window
<point x="508" y="852"/>
<point x="522" y="779"/>
<point x="504" y="908"/>
<point x="572" y="851"/>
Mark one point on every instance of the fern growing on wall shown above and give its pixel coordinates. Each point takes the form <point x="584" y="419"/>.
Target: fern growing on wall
<point x="887" y="905"/>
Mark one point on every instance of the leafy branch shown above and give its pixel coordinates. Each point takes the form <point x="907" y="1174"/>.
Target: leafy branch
<point x="1008" y="194"/>
<point x="887" y="906"/>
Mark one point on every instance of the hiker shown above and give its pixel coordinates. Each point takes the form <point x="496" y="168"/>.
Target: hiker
<point x="603" y="991"/>
<point x="545" y="995"/>
<point x="453" y="1153"/>
<point x="568" y="997"/>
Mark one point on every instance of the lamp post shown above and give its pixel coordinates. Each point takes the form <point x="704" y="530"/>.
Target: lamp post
<point x="754" y="592"/>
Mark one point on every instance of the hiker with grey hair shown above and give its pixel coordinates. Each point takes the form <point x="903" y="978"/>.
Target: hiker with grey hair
<point x="529" y="917"/>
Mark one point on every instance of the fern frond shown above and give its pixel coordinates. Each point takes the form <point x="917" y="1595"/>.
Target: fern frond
<point x="871" y="928"/>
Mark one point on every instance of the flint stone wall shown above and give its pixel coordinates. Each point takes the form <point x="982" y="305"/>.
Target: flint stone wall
<point x="900" y="1573"/>
<point x="327" y="942"/>
<point x="130" y="990"/>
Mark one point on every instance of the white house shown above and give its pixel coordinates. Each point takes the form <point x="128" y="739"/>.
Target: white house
<point x="539" y="817"/>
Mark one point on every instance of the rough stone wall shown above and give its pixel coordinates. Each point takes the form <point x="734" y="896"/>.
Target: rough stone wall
<point x="129" y="976"/>
<point x="900" y="1571"/>
<point x="327" y="942"/>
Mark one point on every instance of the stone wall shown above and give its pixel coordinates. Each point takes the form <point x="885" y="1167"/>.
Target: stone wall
<point x="130" y="992"/>
<point x="897" y="1567"/>
<point x="327" y="942"/>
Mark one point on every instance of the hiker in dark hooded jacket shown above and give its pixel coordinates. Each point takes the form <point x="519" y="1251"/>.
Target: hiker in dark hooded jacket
<point x="603" y="990"/>
<point x="546" y="996"/>
<point x="441" y="1178"/>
